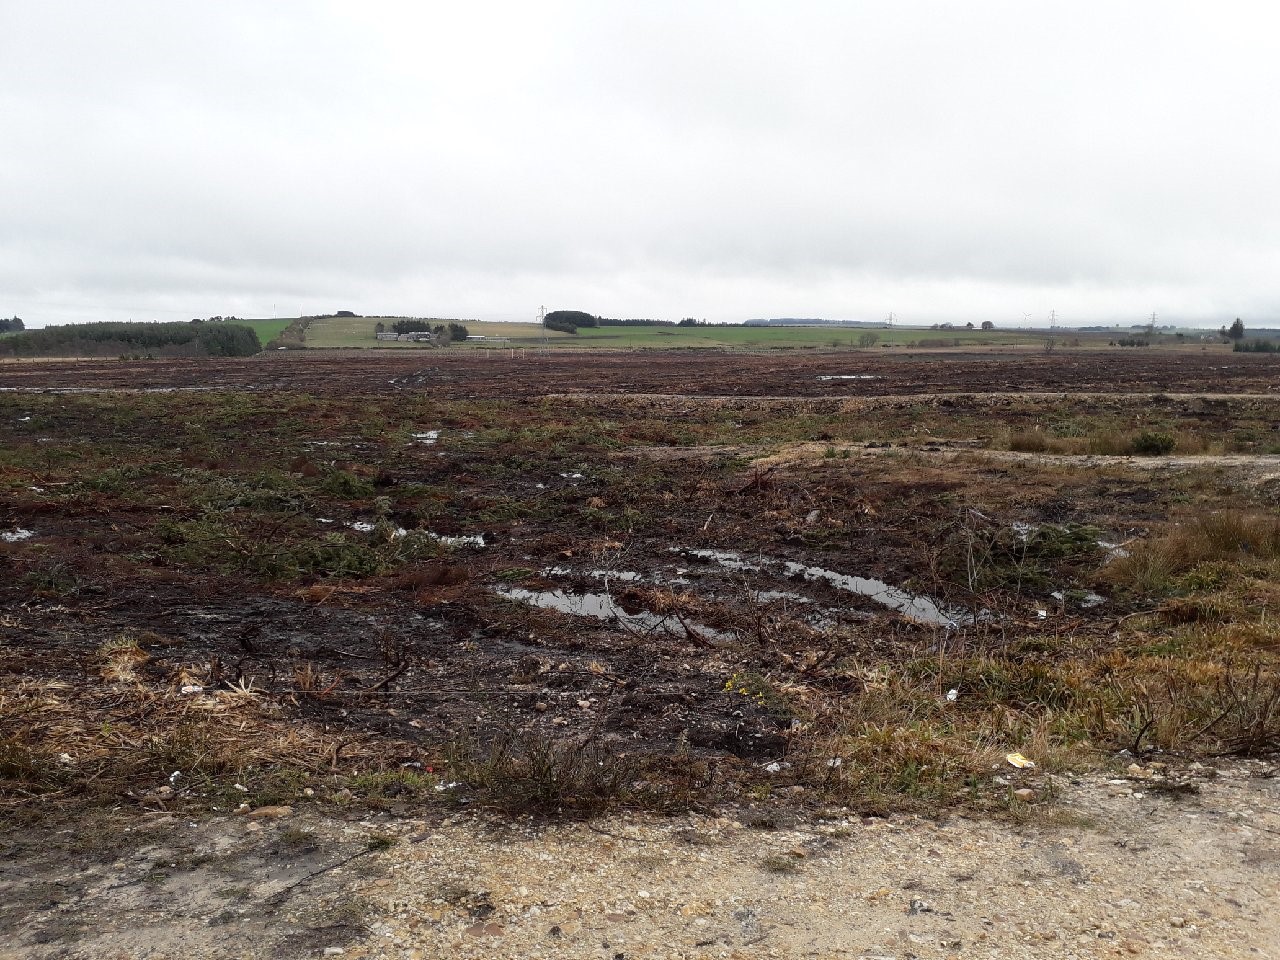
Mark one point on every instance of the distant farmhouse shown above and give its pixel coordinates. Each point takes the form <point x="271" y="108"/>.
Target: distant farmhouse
<point x="418" y="336"/>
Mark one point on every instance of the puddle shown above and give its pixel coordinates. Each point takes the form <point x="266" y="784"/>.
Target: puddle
<point x="1084" y="601"/>
<point x="623" y="576"/>
<point x="469" y="540"/>
<point x="601" y="606"/>
<point x="849" y="376"/>
<point x="764" y="596"/>
<point x="729" y="559"/>
<point x="1114" y="550"/>
<point x="919" y="609"/>
<point x="16" y="535"/>
<point x="430" y="437"/>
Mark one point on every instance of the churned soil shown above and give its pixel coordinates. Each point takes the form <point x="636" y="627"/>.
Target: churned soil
<point x="525" y="373"/>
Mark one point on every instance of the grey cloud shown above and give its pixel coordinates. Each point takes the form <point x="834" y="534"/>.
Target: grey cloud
<point x="947" y="161"/>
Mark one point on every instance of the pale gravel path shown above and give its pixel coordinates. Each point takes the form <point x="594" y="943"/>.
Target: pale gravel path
<point x="1105" y="874"/>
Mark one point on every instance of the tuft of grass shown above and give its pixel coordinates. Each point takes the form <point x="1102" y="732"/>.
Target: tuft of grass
<point x="387" y="785"/>
<point x="529" y="773"/>
<point x="780" y="864"/>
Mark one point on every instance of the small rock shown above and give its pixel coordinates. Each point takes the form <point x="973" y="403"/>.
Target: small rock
<point x="1026" y="794"/>
<point x="1178" y="922"/>
<point x="540" y="707"/>
<point x="262" y="812"/>
<point x="918" y="907"/>
<point x="334" y="951"/>
<point x="584" y="704"/>
<point x="484" y="930"/>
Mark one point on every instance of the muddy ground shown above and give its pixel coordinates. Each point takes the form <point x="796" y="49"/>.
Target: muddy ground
<point x="361" y="587"/>
<point x="695" y="372"/>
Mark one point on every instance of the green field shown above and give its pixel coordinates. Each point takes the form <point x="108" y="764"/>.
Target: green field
<point x="267" y="328"/>
<point x="359" y="332"/>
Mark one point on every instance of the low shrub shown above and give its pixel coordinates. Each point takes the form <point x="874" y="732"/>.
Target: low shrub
<point x="1150" y="443"/>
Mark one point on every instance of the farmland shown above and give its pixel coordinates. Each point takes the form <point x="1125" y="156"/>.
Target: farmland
<point x="359" y="332"/>
<point x="267" y="329"/>
<point x="578" y="583"/>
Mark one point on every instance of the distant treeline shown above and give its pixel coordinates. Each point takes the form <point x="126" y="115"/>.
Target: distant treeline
<point x="1256" y="346"/>
<point x="13" y="323"/>
<point x="198" y="338"/>
<point x="568" y="321"/>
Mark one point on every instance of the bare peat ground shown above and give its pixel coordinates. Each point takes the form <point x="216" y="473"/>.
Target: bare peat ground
<point x="384" y="592"/>
<point x="692" y="372"/>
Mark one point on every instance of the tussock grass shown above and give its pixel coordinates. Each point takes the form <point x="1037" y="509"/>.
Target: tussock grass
<point x="1196" y="545"/>
<point x="1109" y="441"/>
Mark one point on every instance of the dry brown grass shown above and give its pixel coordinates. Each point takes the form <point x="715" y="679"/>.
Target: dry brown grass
<point x="1227" y="535"/>
<point x="59" y="740"/>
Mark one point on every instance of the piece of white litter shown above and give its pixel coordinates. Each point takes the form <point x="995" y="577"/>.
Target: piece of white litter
<point x="242" y="788"/>
<point x="465" y="541"/>
<point x="430" y="437"/>
<point x="173" y="777"/>
<point x="64" y="758"/>
<point x="572" y="476"/>
<point x="193" y="688"/>
<point x="777" y="767"/>
<point x="442" y="787"/>
<point x="1023" y="530"/>
<point x="362" y="526"/>
<point x="1042" y="614"/>
<point x="953" y="695"/>
<point x="835" y="762"/>
<point x="14" y="536"/>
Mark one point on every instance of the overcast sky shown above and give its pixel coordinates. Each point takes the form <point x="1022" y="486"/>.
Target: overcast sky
<point x="945" y="160"/>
